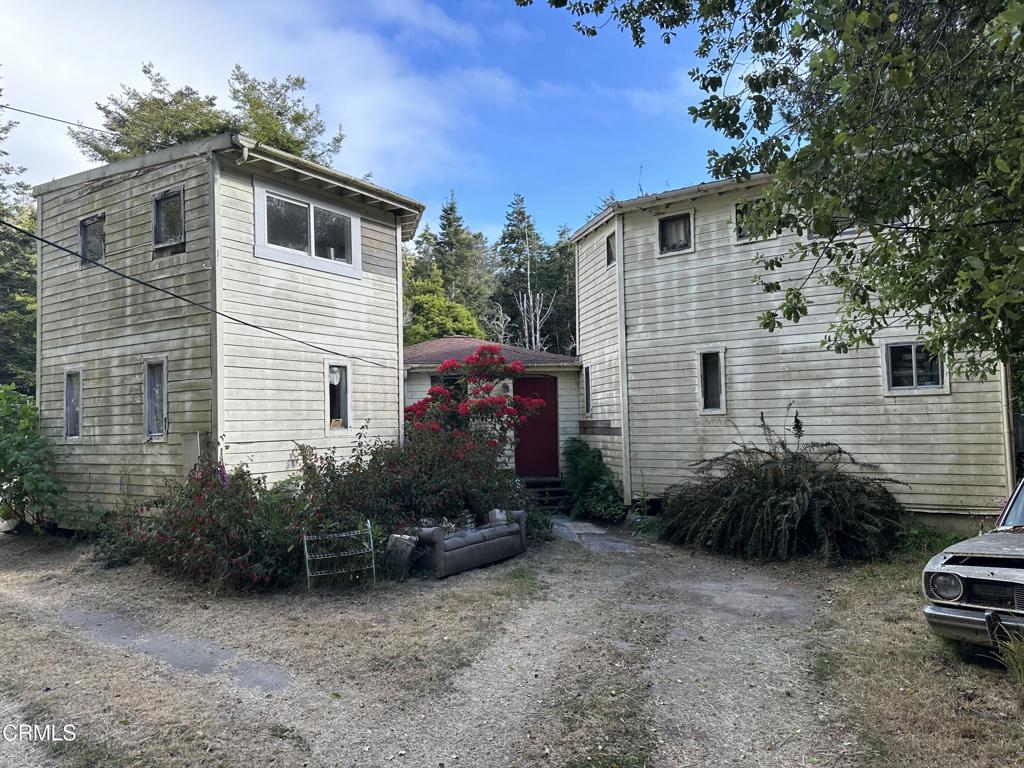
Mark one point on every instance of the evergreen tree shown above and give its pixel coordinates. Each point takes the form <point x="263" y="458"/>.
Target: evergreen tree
<point x="430" y="314"/>
<point x="557" y="278"/>
<point x="461" y="256"/>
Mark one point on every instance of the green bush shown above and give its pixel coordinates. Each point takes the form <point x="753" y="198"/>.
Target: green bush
<point x="780" y="501"/>
<point x="29" y="487"/>
<point x="592" y="489"/>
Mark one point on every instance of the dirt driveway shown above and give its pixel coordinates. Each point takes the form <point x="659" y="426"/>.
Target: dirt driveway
<point x="592" y="650"/>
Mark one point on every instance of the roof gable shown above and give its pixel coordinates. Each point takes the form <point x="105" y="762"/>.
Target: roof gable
<point x="434" y="352"/>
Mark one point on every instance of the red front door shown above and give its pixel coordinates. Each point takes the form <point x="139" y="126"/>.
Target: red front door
<point x="537" y="449"/>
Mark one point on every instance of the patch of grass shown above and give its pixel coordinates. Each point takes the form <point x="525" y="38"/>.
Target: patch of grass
<point x="1011" y="654"/>
<point x="524" y="581"/>
<point x="826" y="665"/>
<point x="287" y="733"/>
<point x="80" y="753"/>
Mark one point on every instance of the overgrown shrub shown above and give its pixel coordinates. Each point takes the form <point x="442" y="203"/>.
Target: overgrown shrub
<point x="29" y="487"/>
<point x="592" y="490"/>
<point x="780" y="501"/>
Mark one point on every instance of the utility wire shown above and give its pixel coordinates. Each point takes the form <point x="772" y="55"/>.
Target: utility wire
<point x="68" y="122"/>
<point x="185" y="299"/>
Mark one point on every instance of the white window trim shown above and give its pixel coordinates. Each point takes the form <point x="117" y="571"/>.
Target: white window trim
<point x="161" y="249"/>
<point x="271" y="252"/>
<point x="889" y="391"/>
<point x="615" y="255"/>
<point x="700" y="381"/>
<point x="157" y="438"/>
<point x="693" y="232"/>
<point x="736" y="239"/>
<point x="328" y="429"/>
<point x="588" y="391"/>
<point x="81" y="404"/>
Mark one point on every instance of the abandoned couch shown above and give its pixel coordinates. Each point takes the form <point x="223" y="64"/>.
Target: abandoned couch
<point x="503" y="537"/>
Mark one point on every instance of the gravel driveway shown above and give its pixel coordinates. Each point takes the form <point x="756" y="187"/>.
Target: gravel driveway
<point x="593" y="650"/>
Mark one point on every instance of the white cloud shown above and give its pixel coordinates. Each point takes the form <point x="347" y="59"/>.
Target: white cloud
<point x="672" y="98"/>
<point x="403" y="124"/>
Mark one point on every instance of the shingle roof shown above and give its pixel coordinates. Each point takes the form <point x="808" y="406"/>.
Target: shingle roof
<point x="436" y="351"/>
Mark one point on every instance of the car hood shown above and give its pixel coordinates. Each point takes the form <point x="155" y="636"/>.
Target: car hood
<point x="998" y="543"/>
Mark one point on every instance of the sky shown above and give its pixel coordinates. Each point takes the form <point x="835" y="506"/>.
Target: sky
<point x="477" y="96"/>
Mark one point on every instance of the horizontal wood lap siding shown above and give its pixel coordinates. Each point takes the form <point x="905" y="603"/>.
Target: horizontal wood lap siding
<point x="108" y="326"/>
<point x="947" y="448"/>
<point x="598" y="344"/>
<point x="273" y="389"/>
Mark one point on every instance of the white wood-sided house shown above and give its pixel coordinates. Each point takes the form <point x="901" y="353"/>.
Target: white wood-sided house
<point x="134" y="383"/>
<point x="676" y="368"/>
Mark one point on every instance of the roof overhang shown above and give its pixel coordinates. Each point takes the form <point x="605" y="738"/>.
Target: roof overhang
<point x="536" y="367"/>
<point x="683" y="194"/>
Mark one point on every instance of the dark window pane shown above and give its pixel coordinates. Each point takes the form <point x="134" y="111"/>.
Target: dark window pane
<point x="609" y="249"/>
<point x="741" y="213"/>
<point x="711" y="380"/>
<point x="337" y="390"/>
<point x="170" y="219"/>
<point x="929" y="370"/>
<point x="72" y="404"/>
<point x="674" y="233"/>
<point x="333" y="235"/>
<point x="287" y="224"/>
<point x="586" y="388"/>
<point x="94" y="243"/>
<point x="155" y="415"/>
<point x="901" y="365"/>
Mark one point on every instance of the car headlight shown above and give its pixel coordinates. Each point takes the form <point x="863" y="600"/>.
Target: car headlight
<point x="947" y="586"/>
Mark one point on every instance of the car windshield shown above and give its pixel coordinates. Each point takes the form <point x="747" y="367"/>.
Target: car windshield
<point x="1015" y="514"/>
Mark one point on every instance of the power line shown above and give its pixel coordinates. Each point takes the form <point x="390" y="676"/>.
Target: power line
<point x="185" y="299"/>
<point x="68" y="122"/>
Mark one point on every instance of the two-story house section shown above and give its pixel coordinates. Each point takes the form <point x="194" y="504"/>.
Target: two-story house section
<point x="676" y="367"/>
<point x="301" y="265"/>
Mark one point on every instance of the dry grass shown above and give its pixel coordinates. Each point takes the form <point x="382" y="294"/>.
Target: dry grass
<point x="914" y="701"/>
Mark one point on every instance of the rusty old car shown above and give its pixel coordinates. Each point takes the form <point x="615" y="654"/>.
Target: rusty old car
<point x="975" y="588"/>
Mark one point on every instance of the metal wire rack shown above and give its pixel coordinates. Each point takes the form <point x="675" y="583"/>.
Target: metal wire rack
<point x="336" y="554"/>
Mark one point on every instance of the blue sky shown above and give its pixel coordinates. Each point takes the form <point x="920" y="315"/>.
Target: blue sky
<point x="479" y="96"/>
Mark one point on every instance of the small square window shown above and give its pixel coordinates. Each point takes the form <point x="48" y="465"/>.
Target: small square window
<point x="337" y="396"/>
<point x="169" y="222"/>
<point x="675" y="233"/>
<point x="287" y="223"/>
<point x="586" y="391"/>
<point x="911" y="367"/>
<point x="156" y="398"/>
<point x="332" y="234"/>
<point x="712" y="382"/>
<point x="73" y="404"/>
<point x="93" y="239"/>
<point x="609" y="249"/>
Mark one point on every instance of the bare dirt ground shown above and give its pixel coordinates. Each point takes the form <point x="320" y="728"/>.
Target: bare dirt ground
<point x="631" y="655"/>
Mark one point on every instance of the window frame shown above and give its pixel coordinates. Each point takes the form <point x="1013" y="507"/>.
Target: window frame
<point x="155" y="437"/>
<point x="722" y="378"/>
<point x="915" y="391"/>
<point x="68" y="371"/>
<point x="692" y="213"/>
<point x="736" y="239"/>
<point x="170" y="247"/>
<point x="610" y="256"/>
<point x="337" y="362"/>
<point x="588" y="391"/>
<point x="83" y="224"/>
<point x="266" y="250"/>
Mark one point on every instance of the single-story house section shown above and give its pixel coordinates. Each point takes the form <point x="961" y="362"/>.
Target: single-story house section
<point x="551" y="377"/>
<point x="676" y="367"/>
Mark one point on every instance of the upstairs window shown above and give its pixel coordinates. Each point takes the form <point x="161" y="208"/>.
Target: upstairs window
<point x="712" y="381"/>
<point x="73" y="404"/>
<point x="910" y="368"/>
<point x="742" y="212"/>
<point x="337" y="397"/>
<point x="156" y="398"/>
<point x="306" y="232"/>
<point x="675" y="233"/>
<point x="609" y="249"/>
<point x="169" y="222"/>
<point x="93" y="239"/>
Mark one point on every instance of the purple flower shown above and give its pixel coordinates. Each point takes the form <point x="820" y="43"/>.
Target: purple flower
<point x="223" y="476"/>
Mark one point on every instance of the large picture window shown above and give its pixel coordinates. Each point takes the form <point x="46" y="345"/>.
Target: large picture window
<point x="304" y="231"/>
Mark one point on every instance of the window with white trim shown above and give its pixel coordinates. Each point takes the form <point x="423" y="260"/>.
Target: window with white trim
<point x="675" y="233"/>
<point x="711" y="380"/>
<point x="156" y="398"/>
<point x="73" y="404"/>
<point x="92" y="238"/>
<point x="588" y="405"/>
<point x="910" y="368"/>
<point x="305" y="231"/>
<point x="609" y="249"/>
<point x="169" y="222"/>
<point x="337" y="397"/>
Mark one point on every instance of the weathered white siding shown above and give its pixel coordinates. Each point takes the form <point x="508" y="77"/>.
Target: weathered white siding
<point x="598" y="346"/>
<point x="272" y="390"/>
<point x="948" y="448"/>
<point x="108" y="326"/>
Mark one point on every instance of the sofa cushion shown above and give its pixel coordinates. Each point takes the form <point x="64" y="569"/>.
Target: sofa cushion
<point x="462" y="539"/>
<point x="497" y="530"/>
